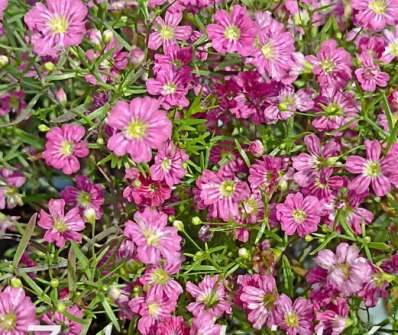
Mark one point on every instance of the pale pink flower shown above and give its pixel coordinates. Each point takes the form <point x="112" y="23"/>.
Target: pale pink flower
<point x="375" y="14"/>
<point x="61" y="227"/>
<point x="333" y="321"/>
<point x="391" y="50"/>
<point x="3" y="6"/>
<point x="347" y="271"/>
<point x="140" y="126"/>
<point x="203" y="324"/>
<point x="57" y="25"/>
<point x="10" y="182"/>
<point x="232" y="32"/>
<point x="64" y="146"/>
<point x="167" y="31"/>
<point x="210" y="296"/>
<point x="173" y="325"/>
<point x="369" y="74"/>
<point x="17" y="312"/>
<point x="152" y="237"/>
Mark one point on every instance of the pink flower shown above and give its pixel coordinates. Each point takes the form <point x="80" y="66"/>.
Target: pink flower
<point x="233" y="32"/>
<point x="12" y="102"/>
<point x="369" y="74"/>
<point x="167" y="31"/>
<point x="331" y="65"/>
<point x="259" y="298"/>
<point x="221" y="194"/>
<point x="333" y="321"/>
<point x="10" y="181"/>
<point x="294" y="318"/>
<point x="56" y="26"/>
<point x="265" y="173"/>
<point x="251" y="208"/>
<point x="323" y="184"/>
<point x="171" y="85"/>
<point x="372" y="171"/>
<point x="86" y="196"/>
<point x="140" y="126"/>
<point x="274" y="50"/>
<point x="299" y="213"/>
<point x="203" y="324"/>
<point x="376" y="288"/>
<point x="375" y="14"/>
<point x="168" y="164"/>
<point x="152" y="237"/>
<point x="173" y="325"/>
<point x="64" y="146"/>
<point x="210" y="297"/>
<point x="67" y="326"/>
<point x="391" y="50"/>
<point x="337" y="109"/>
<point x="61" y="227"/>
<point x="17" y="311"/>
<point x="159" y="278"/>
<point x="347" y="271"/>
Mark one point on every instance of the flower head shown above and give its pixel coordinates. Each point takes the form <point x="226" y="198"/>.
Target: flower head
<point x="375" y="14"/>
<point x="68" y="326"/>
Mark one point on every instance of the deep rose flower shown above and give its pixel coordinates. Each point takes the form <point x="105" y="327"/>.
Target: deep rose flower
<point x="294" y="318"/>
<point x="299" y="214"/>
<point x="61" y="227"/>
<point x="12" y="102"/>
<point x="173" y="325"/>
<point x="64" y="146"/>
<point x="369" y="74"/>
<point x="233" y="32"/>
<point x="152" y="237"/>
<point x="372" y="171"/>
<point x="168" y="164"/>
<point x="347" y="271"/>
<point x="167" y="31"/>
<point x="331" y="65"/>
<point x="265" y="173"/>
<point x="17" y="311"/>
<point x="210" y="297"/>
<point x="334" y="320"/>
<point x="57" y="25"/>
<point x="203" y="324"/>
<point x="10" y="182"/>
<point x="68" y="326"/>
<point x="141" y="126"/>
<point x="375" y="14"/>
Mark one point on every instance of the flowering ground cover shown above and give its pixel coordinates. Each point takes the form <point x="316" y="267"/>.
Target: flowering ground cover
<point x="198" y="167"/>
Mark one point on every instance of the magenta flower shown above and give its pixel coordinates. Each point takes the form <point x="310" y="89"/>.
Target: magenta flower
<point x="333" y="321"/>
<point x="391" y="50"/>
<point x="61" y="227"/>
<point x="173" y="325"/>
<point x="167" y="31"/>
<point x="17" y="311"/>
<point x="10" y="181"/>
<point x="376" y="288"/>
<point x="299" y="214"/>
<point x="347" y="271"/>
<point x="86" y="195"/>
<point x="274" y="50"/>
<point x="12" y="102"/>
<point x="68" y="326"/>
<point x="265" y="173"/>
<point x="57" y="25"/>
<point x="375" y="14"/>
<point x="168" y="164"/>
<point x="337" y="109"/>
<point x="294" y="318"/>
<point x="331" y="65"/>
<point x="140" y="126"/>
<point x="221" y="194"/>
<point x="259" y="298"/>
<point x="159" y="278"/>
<point x="372" y="171"/>
<point x="210" y="297"/>
<point x="64" y="146"/>
<point x="203" y="324"/>
<point x="171" y="85"/>
<point x="369" y="74"/>
<point x="233" y="32"/>
<point x="152" y="237"/>
<point x="324" y="184"/>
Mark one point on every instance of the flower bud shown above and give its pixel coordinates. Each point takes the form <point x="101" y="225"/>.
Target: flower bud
<point x="3" y="61"/>
<point x="43" y="128"/>
<point x="196" y="221"/>
<point x="107" y="36"/>
<point x="308" y="238"/>
<point x="61" y="96"/>
<point x="179" y="225"/>
<point x="61" y="307"/>
<point x="244" y="253"/>
<point x="89" y="215"/>
<point x="137" y="55"/>
<point x="114" y="293"/>
<point x="16" y="282"/>
<point x="256" y="148"/>
<point x="54" y="283"/>
<point x="49" y="66"/>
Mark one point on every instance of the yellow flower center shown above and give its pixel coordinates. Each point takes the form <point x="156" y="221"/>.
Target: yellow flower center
<point x="345" y="268"/>
<point x="153" y="308"/>
<point x="291" y="320"/>
<point x="151" y="236"/>
<point x="8" y="322"/>
<point x="394" y="48"/>
<point x="160" y="276"/>
<point x="210" y="300"/>
<point x="372" y="169"/>
<point x="136" y="129"/>
<point x="166" y="164"/>
<point x="83" y="199"/>
<point x="267" y="51"/>
<point x="167" y="32"/>
<point x="227" y="188"/>
<point x="378" y="6"/>
<point x="169" y="88"/>
<point x="269" y="300"/>
<point x="327" y="65"/>
<point x="66" y="148"/>
<point x="232" y="33"/>
<point x="299" y="215"/>
<point x="60" y="225"/>
<point x="59" y="24"/>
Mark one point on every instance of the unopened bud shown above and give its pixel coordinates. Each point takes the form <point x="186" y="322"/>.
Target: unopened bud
<point x="49" y="66"/>
<point x="43" y="128"/>
<point x="196" y="221"/>
<point x="54" y="283"/>
<point x="244" y="253"/>
<point x="3" y="61"/>
<point x="61" y="307"/>
<point x="107" y="36"/>
<point x="16" y="282"/>
<point x="137" y="56"/>
<point x="61" y="95"/>
<point x="89" y="215"/>
<point x="256" y="148"/>
<point x="179" y="225"/>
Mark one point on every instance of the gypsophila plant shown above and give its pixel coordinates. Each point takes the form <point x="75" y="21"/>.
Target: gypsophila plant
<point x="199" y="167"/>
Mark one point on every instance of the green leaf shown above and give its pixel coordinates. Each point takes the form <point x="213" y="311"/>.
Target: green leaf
<point x="30" y="227"/>
<point x="379" y="246"/>
<point x="84" y="262"/>
<point x="393" y="128"/>
<point x="71" y="270"/>
<point x="242" y="153"/>
<point x="287" y="275"/>
<point x="111" y="314"/>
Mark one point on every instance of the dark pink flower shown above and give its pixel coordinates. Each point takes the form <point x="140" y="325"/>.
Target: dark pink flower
<point x="203" y="324"/>
<point x="375" y="14"/>
<point x="64" y="146"/>
<point x="333" y="321"/>
<point x="61" y="227"/>
<point x="17" y="312"/>
<point x="68" y="326"/>
<point x="369" y="74"/>
<point x="232" y="32"/>
<point x="152" y="237"/>
<point x="265" y="173"/>
<point x="299" y="214"/>
<point x="57" y="25"/>
<point x="141" y="125"/>
<point x="12" y="102"/>
<point x="173" y="325"/>
<point x="10" y="181"/>
<point x="372" y="171"/>
<point x="347" y="271"/>
<point x="210" y="297"/>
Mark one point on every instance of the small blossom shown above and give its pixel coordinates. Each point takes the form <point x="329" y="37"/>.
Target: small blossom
<point x="370" y="76"/>
<point x="68" y="326"/>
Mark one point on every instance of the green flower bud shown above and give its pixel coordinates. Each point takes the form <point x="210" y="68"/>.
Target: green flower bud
<point x="54" y="283"/>
<point x="49" y="66"/>
<point x="16" y="282"/>
<point x="179" y="225"/>
<point x="196" y="221"/>
<point x="3" y="61"/>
